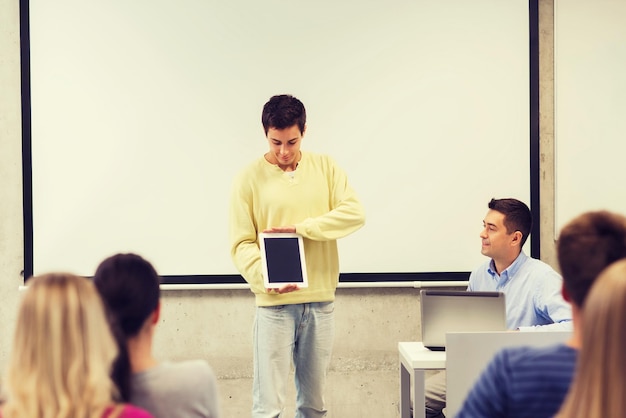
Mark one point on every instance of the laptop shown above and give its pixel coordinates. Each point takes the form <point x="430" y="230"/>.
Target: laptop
<point x="459" y="311"/>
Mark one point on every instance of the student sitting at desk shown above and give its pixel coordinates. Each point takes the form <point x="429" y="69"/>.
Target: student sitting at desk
<point x="598" y="388"/>
<point x="532" y="381"/>
<point x="532" y="288"/>
<point x="129" y="286"/>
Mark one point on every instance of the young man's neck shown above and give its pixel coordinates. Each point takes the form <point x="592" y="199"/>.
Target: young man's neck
<point x="576" y="339"/>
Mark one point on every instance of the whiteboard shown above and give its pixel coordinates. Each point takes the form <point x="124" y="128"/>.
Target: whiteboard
<point x="590" y="104"/>
<point x="143" y="112"/>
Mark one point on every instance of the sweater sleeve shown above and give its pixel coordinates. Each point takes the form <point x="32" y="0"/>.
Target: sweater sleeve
<point x="244" y="248"/>
<point x="346" y="213"/>
<point x="211" y="394"/>
<point x="490" y="393"/>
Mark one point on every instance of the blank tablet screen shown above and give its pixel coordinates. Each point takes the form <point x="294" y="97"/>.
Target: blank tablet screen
<point x="283" y="259"/>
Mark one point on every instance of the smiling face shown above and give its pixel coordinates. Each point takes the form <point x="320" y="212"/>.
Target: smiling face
<point x="497" y="242"/>
<point x="284" y="147"/>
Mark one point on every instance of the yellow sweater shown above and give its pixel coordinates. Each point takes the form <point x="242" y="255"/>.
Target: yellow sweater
<point x="317" y="199"/>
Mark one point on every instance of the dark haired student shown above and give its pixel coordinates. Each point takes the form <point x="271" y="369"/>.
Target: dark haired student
<point x="289" y="190"/>
<point x="534" y="301"/>
<point x="129" y="287"/>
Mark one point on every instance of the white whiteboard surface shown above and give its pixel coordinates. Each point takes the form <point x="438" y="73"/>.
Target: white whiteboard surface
<point x="590" y="107"/>
<point x="144" y="111"/>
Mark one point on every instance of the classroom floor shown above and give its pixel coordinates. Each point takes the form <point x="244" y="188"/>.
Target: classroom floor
<point x="371" y="394"/>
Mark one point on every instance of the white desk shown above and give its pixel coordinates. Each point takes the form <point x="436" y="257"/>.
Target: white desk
<point x="415" y="359"/>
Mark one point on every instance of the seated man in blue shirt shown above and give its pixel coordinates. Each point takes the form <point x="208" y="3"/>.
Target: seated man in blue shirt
<point x="533" y="289"/>
<point x="533" y="381"/>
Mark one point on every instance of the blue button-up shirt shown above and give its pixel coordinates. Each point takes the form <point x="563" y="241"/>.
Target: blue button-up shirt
<point x="532" y="292"/>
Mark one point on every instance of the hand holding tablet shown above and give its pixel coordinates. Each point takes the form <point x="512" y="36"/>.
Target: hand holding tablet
<point x="287" y="288"/>
<point x="282" y="257"/>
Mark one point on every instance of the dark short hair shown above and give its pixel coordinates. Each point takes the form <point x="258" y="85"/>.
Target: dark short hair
<point x="283" y="111"/>
<point x="587" y="245"/>
<point x="517" y="216"/>
<point x="129" y="288"/>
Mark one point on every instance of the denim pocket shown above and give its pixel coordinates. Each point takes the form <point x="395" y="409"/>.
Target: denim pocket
<point x="326" y="307"/>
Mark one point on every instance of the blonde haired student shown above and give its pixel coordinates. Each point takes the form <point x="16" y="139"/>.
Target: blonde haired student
<point x="598" y="389"/>
<point x="62" y="354"/>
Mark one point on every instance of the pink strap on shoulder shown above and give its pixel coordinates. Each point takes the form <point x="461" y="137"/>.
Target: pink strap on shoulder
<point x="115" y="411"/>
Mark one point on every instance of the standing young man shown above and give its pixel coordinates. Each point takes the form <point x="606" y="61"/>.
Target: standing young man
<point x="288" y="190"/>
<point x="533" y="289"/>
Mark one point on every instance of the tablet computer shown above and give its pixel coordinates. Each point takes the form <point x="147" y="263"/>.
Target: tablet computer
<point x="282" y="257"/>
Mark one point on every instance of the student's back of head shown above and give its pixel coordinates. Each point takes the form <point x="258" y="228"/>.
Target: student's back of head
<point x="62" y="351"/>
<point x="586" y="245"/>
<point x="600" y="379"/>
<point x="129" y="287"/>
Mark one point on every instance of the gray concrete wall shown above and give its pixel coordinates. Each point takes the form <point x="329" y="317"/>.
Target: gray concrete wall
<point x="546" y="132"/>
<point x="216" y="324"/>
<point x="11" y="234"/>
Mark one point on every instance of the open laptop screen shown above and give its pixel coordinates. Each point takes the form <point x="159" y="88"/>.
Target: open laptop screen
<point x="459" y="311"/>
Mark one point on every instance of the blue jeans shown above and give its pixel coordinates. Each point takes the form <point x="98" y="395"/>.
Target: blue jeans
<point x="301" y="335"/>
